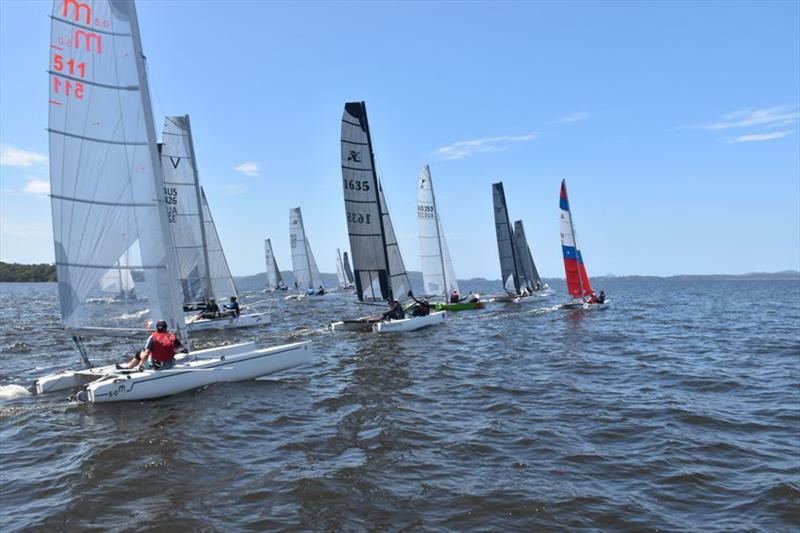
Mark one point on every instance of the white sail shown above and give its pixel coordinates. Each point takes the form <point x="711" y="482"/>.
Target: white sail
<point x="306" y="273"/>
<point x="274" y="278"/>
<point x="182" y="196"/>
<point x="379" y="270"/>
<point x="118" y="280"/>
<point x="222" y="285"/>
<point x="437" y="269"/>
<point x="105" y="175"/>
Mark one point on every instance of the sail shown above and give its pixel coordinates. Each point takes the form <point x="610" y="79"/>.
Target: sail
<point x="437" y="268"/>
<point x="528" y="267"/>
<point x="222" y="285"/>
<point x="340" y="274"/>
<point x="577" y="281"/>
<point x="306" y="274"/>
<point x="274" y="278"/>
<point x="105" y="176"/>
<point x="118" y="280"/>
<point x="348" y="272"/>
<point x="505" y="244"/>
<point x="379" y="270"/>
<point x="182" y="195"/>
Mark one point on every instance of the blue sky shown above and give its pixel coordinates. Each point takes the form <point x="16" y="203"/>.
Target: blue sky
<point x="675" y="124"/>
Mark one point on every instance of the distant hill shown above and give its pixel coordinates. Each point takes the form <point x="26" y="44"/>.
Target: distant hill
<point x="18" y="272"/>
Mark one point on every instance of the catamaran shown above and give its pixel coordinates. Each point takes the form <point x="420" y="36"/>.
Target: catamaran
<point x="438" y="275"/>
<point x="578" y="285"/>
<point x="348" y="272"/>
<point x="345" y="280"/>
<point x="306" y="274"/>
<point x="202" y="268"/>
<point x="380" y="274"/>
<point x="106" y="196"/>
<point x="510" y="260"/>
<point x="274" y="278"/>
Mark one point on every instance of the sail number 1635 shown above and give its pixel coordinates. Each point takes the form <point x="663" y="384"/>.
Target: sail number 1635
<point x="356" y="185"/>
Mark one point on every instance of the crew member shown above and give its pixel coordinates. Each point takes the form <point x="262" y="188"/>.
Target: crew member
<point x="160" y="348"/>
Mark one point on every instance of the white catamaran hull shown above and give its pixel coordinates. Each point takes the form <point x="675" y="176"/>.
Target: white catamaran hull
<point x="243" y="321"/>
<point x="586" y="306"/>
<point x="358" y="324"/>
<point x="410" y="324"/>
<point x="238" y="362"/>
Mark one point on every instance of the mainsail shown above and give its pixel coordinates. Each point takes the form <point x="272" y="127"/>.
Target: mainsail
<point x="105" y="175"/>
<point x="118" y="280"/>
<point x="340" y="272"/>
<point x="182" y="196"/>
<point x="348" y="272"/>
<point x="509" y="268"/>
<point x="222" y="285"/>
<point x="306" y="273"/>
<point x="274" y="278"/>
<point x="529" y="272"/>
<point x="577" y="280"/>
<point x="379" y="270"/>
<point x="437" y="268"/>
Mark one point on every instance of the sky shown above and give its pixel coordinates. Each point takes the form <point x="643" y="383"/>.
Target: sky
<point x="675" y="124"/>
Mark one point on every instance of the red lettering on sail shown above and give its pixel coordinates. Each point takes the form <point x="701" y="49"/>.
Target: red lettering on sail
<point x="77" y="11"/>
<point x="93" y="40"/>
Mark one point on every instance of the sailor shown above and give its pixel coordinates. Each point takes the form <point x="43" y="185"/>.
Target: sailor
<point x="455" y="297"/>
<point x="233" y="307"/>
<point x="593" y="298"/>
<point x="161" y="348"/>
<point x="321" y="290"/>
<point x="423" y="308"/>
<point x="602" y="297"/>
<point x="474" y="298"/>
<point x="395" y="312"/>
<point x="212" y="309"/>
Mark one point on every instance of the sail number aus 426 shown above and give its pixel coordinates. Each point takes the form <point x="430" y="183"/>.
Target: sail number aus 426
<point x="356" y="185"/>
<point x="359" y="218"/>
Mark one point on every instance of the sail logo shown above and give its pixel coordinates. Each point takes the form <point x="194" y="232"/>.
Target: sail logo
<point x="354" y="156"/>
<point x="94" y="41"/>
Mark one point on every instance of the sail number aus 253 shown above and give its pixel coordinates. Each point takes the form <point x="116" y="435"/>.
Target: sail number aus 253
<point x="356" y="185"/>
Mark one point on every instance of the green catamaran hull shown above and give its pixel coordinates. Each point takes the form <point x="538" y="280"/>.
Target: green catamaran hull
<point x="466" y="306"/>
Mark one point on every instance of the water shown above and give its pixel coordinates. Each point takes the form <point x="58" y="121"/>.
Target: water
<point x="676" y="408"/>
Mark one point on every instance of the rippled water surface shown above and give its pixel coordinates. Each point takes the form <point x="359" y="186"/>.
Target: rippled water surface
<point x="676" y="408"/>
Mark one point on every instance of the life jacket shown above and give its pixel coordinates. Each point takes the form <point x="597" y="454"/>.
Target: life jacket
<point x="162" y="347"/>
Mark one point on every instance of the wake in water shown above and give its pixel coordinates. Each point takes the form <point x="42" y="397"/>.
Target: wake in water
<point x="13" y="391"/>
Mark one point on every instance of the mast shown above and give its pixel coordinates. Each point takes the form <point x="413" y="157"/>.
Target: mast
<point x="178" y="325"/>
<point x="380" y="208"/>
<point x="438" y="235"/>
<point x="209" y="287"/>
<point x="578" y="258"/>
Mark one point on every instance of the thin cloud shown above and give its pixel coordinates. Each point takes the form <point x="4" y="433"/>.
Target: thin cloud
<point x="756" y="137"/>
<point x="37" y="187"/>
<point x="771" y="116"/>
<point x="233" y="189"/>
<point x="11" y="156"/>
<point x="462" y="149"/>
<point x="572" y="117"/>
<point x="248" y="168"/>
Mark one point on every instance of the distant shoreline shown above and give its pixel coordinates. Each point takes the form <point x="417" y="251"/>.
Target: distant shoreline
<point x="43" y="272"/>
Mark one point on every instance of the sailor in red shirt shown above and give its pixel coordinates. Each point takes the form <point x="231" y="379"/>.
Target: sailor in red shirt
<point x="161" y="348"/>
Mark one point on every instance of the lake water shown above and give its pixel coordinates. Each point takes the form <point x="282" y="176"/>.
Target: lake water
<point x="676" y="408"/>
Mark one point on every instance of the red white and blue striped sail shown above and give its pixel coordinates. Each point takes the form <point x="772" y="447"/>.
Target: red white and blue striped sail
<point x="577" y="281"/>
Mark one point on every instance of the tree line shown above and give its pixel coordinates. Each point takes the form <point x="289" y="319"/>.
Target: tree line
<point x="18" y="272"/>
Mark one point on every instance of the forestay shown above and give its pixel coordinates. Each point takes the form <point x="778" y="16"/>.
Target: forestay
<point x="525" y="257"/>
<point x="509" y="269"/>
<point x="437" y="269"/>
<point x="274" y="278"/>
<point x="577" y="280"/>
<point x="222" y="285"/>
<point x="105" y="175"/>
<point x="379" y="270"/>
<point x="306" y="273"/>
<point x="182" y="196"/>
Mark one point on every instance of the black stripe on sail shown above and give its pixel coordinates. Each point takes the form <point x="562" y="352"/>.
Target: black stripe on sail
<point x="94" y="83"/>
<point x="98" y="202"/>
<point x="93" y="139"/>
<point x="354" y="168"/>
<point x="356" y="124"/>
<point x="90" y="28"/>
<point x="360" y="201"/>
<point x="364" y="234"/>
<point x="354" y="142"/>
